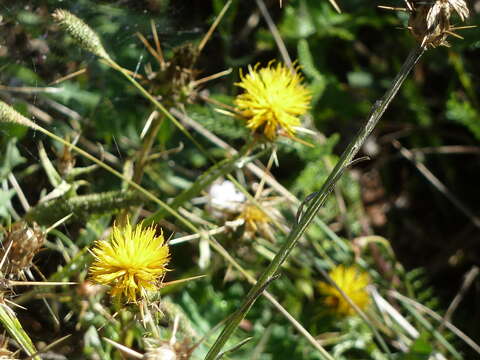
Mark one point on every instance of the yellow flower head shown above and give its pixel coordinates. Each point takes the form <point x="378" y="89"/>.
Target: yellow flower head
<point x="353" y="283"/>
<point x="253" y="216"/>
<point x="132" y="262"/>
<point x="274" y="98"/>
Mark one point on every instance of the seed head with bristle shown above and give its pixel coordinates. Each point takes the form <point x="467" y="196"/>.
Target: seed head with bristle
<point x="9" y="114"/>
<point x="446" y="6"/>
<point x="20" y="244"/>
<point x="429" y="22"/>
<point x="81" y="32"/>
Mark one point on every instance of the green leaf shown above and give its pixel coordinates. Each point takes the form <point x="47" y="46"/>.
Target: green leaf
<point x="463" y="112"/>
<point x="5" y="197"/>
<point x="420" y="349"/>
<point x="306" y="61"/>
<point x="10" y="159"/>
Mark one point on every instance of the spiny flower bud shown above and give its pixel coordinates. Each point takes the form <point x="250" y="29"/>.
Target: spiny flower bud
<point x="8" y="114"/>
<point x="81" y="32"/>
<point x="22" y="242"/>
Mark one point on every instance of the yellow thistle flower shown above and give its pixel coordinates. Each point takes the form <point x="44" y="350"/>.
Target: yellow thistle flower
<point x="353" y="283"/>
<point x="132" y="262"/>
<point x="274" y="98"/>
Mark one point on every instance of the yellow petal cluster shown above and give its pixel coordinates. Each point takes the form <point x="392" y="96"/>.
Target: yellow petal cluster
<point x="353" y="283"/>
<point x="132" y="262"/>
<point x="273" y="99"/>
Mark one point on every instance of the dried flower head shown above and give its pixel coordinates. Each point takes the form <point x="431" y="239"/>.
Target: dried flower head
<point x="132" y="262"/>
<point x="163" y="352"/>
<point x="158" y="349"/>
<point x="81" y="32"/>
<point x="255" y="220"/>
<point x="353" y="283"/>
<point x="21" y="243"/>
<point x="168" y="351"/>
<point x="262" y="219"/>
<point x="273" y="100"/>
<point x="429" y="21"/>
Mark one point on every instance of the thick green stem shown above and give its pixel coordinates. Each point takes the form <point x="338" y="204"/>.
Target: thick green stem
<point x="83" y="206"/>
<point x="317" y="202"/>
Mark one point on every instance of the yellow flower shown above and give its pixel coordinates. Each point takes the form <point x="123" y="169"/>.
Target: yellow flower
<point x="254" y="217"/>
<point x="274" y="98"/>
<point x="353" y="283"/>
<point x="132" y="262"/>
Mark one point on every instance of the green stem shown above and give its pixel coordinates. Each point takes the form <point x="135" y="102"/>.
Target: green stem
<point x="317" y="202"/>
<point x="189" y="225"/>
<point x="114" y="172"/>
<point x="83" y="206"/>
<point x="10" y="322"/>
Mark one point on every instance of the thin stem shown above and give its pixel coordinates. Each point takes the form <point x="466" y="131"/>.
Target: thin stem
<point x="318" y="201"/>
<point x="187" y="223"/>
<point x="162" y="108"/>
<point x="214" y="26"/>
<point x="221" y="250"/>
<point x="275" y="33"/>
<point x="114" y="172"/>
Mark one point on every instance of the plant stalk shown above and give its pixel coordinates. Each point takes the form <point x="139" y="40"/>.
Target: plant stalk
<point x="159" y="106"/>
<point x="317" y="202"/>
<point x="17" y="118"/>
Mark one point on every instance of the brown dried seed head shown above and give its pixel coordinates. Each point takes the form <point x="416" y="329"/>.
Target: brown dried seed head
<point x="460" y="7"/>
<point x="81" y="32"/>
<point x="429" y="22"/>
<point x="427" y="29"/>
<point x="22" y="243"/>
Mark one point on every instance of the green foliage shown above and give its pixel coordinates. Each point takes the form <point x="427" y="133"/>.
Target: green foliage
<point x="347" y="61"/>
<point x="317" y="80"/>
<point x="421" y="349"/>
<point x="11" y="158"/>
<point x="464" y="113"/>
